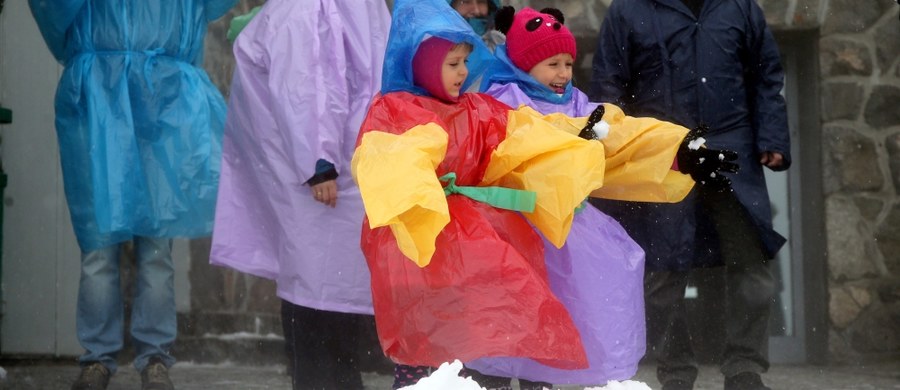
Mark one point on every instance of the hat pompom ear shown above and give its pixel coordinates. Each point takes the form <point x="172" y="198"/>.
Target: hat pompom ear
<point x="503" y="20"/>
<point x="556" y="14"/>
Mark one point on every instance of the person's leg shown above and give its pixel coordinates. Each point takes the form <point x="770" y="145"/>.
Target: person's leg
<point x="345" y="336"/>
<point x="287" y="310"/>
<point x="99" y="316"/>
<point x="490" y="382"/>
<point x="529" y="385"/>
<point x="153" y="317"/>
<point x="668" y="333"/>
<point x="751" y="287"/>
<point x="324" y="348"/>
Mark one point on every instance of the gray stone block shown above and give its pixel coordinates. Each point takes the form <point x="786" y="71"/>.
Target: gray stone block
<point x="887" y="44"/>
<point x="841" y="100"/>
<point x="844" y="57"/>
<point x="888" y="238"/>
<point x="851" y="250"/>
<point x="850" y="161"/>
<point x="883" y="107"/>
<point x="892" y="144"/>
<point x="851" y="16"/>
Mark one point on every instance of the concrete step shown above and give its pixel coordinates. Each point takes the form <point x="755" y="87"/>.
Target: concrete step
<point x="254" y="339"/>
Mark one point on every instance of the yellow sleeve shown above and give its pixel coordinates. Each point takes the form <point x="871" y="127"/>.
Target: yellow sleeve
<point x="561" y="168"/>
<point x="399" y="186"/>
<point x="639" y="157"/>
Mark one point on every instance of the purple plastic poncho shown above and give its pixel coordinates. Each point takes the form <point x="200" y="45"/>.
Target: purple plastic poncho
<point x="597" y="275"/>
<point x="306" y="72"/>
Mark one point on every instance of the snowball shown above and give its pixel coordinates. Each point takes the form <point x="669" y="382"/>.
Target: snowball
<point x="601" y="129"/>
<point x="696" y="143"/>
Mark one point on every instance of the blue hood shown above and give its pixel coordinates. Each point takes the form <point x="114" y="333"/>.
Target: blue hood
<point x="412" y="22"/>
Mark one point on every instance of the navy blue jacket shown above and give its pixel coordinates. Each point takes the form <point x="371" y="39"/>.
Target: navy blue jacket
<point x="655" y="58"/>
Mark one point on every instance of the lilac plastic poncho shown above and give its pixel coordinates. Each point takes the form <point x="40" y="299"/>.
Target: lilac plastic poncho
<point x="598" y="276"/>
<point x="138" y="120"/>
<point x="306" y="72"/>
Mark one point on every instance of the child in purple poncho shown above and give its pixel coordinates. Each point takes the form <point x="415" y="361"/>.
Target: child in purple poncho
<point x="598" y="273"/>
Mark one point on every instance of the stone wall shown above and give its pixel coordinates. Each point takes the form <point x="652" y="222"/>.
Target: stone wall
<point x="859" y="47"/>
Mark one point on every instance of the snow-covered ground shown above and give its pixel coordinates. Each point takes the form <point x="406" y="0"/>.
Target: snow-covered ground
<point x="446" y="377"/>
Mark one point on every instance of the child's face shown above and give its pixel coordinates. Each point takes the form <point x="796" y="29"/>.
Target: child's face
<point x="454" y="70"/>
<point x="471" y="8"/>
<point x="554" y="72"/>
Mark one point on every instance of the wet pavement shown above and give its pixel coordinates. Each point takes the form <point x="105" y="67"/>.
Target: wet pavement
<point x="52" y="375"/>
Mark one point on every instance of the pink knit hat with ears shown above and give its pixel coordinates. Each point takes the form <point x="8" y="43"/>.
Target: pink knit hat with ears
<point x="534" y="37"/>
<point x="427" y="64"/>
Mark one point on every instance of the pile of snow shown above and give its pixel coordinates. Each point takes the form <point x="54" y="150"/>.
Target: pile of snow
<point x="446" y="377"/>
<point x="626" y="385"/>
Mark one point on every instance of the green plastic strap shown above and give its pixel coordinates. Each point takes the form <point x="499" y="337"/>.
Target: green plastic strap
<point x="581" y="206"/>
<point x="239" y="22"/>
<point x="500" y="197"/>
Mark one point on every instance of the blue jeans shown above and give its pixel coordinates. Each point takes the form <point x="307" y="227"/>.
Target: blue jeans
<point x="100" y="315"/>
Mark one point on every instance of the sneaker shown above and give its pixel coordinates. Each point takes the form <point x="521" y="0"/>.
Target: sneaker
<point x="94" y="376"/>
<point x="677" y="384"/>
<point x="745" y="381"/>
<point x="156" y="376"/>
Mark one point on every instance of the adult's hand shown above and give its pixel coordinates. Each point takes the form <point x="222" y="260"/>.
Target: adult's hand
<point x="325" y="192"/>
<point x="773" y="160"/>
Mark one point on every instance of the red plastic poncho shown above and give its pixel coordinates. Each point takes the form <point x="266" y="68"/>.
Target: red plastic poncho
<point x="485" y="290"/>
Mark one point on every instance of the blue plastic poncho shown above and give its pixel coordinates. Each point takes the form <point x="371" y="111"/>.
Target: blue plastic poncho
<point x="404" y="40"/>
<point x="139" y="122"/>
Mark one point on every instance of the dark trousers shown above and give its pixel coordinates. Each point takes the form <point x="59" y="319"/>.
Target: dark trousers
<point x="322" y="347"/>
<point x="750" y="290"/>
<point x="491" y="382"/>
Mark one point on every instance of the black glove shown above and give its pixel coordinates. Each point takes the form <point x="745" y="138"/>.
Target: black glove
<point x="703" y="164"/>
<point x="588" y="131"/>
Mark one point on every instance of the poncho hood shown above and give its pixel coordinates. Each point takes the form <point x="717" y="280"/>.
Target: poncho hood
<point x="412" y="22"/>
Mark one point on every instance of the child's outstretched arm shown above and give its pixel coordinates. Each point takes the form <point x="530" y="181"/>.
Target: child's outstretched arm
<point x="399" y="187"/>
<point x="561" y="168"/>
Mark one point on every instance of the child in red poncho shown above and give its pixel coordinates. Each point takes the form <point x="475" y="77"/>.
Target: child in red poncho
<point x="450" y="182"/>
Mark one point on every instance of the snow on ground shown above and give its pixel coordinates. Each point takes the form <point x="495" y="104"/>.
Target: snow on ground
<point x="626" y="385"/>
<point x="446" y="377"/>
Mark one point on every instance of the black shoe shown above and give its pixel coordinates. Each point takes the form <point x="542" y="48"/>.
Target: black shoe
<point x="156" y="376"/>
<point x="745" y="381"/>
<point x="94" y="376"/>
<point x="678" y="384"/>
<point x="529" y="385"/>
